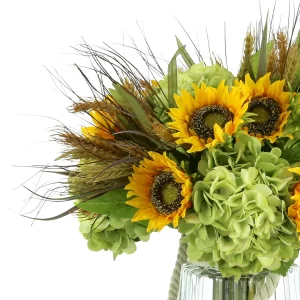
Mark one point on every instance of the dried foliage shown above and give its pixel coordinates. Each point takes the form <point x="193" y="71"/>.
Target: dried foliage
<point x="272" y="61"/>
<point x="79" y="147"/>
<point x="282" y="46"/>
<point x="91" y="177"/>
<point x="249" y="43"/>
<point x="293" y="63"/>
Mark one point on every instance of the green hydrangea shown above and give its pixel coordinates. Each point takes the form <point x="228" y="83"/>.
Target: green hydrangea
<point x="196" y="74"/>
<point x="239" y="223"/>
<point x="118" y="235"/>
<point x="245" y="153"/>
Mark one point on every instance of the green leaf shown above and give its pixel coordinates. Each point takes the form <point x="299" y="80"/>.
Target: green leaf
<point x="131" y="247"/>
<point x="112" y="203"/>
<point x="262" y="63"/>
<point x="284" y="267"/>
<point x="194" y="253"/>
<point x="296" y="80"/>
<point x="254" y="61"/>
<point x="172" y="77"/>
<point x="250" y="67"/>
<point x="186" y="228"/>
<point x="192" y="218"/>
<point x="143" y="223"/>
<point x="117" y="223"/>
<point x="126" y="99"/>
<point x="93" y="245"/>
<point x="249" y="175"/>
<point x="185" y="55"/>
<point x="292" y="155"/>
<point x="125" y="122"/>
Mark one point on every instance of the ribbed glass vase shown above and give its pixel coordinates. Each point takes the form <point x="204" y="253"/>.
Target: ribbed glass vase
<point x="206" y="283"/>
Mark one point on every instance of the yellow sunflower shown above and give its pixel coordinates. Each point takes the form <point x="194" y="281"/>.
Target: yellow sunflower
<point x="295" y="170"/>
<point x="294" y="210"/>
<point x="270" y="104"/>
<point x="201" y="121"/>
<point x="162" y="192"/>
<point x="104" y="125"/>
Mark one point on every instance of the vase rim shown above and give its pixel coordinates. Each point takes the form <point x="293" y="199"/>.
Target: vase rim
<point x="207" y="270"/>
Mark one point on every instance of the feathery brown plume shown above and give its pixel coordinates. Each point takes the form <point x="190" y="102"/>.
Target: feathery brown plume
<point x="282" y="45"/>
<point x="248" y="50"/>
<point x="163" y="133"/>
<point x="272" y="65"/>
<point x="159" y="130"/>
<point x="85" y="186"/>
<point x="141" y="90"/>
<point x="106" y="105"/>
<point x="94" y="173"/>
<point x="81" y="147"/>
<point x="132" y="149"/>
<point x="292" y="64"/>
<point x="85" y="106"/>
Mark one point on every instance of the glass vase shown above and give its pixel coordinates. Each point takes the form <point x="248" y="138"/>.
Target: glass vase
<point x="206" y="283"/>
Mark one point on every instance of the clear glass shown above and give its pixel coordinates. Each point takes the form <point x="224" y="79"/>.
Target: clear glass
<point x="206" y="283"/>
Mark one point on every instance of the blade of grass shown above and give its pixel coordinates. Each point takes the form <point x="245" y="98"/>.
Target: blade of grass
<point x="172" y="77"/>
<point x="262" y="63"/>
<point x="185" y="55"/>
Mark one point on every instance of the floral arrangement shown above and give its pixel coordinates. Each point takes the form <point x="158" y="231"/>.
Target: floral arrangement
<point x="212" y="155"/>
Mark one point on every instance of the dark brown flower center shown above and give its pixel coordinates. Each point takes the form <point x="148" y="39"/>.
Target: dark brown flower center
<point x="267" y="112"/>
<point x="166" y="193"/>
<point x="204" y="119"/>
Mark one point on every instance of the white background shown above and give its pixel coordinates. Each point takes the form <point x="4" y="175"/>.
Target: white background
<point x="50" y="260"/>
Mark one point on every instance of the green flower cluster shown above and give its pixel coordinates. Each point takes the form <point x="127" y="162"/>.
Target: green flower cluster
<point x="196" y="74"/>
<point x="293" y="124"/>
<point x="118" y="235"/>
<point x="239" y="222"/>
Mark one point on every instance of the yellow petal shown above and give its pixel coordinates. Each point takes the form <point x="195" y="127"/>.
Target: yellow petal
<point x="295" y="170"/>
<point x="218" y="133"/>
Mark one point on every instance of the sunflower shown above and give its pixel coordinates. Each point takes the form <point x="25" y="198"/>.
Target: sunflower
<point x="295" y="170"/>
<point x="104" y="125"/>
<point x="270" y="104"/>
<point x="294" y="210"/>
<point x="162" y="192"/>
<point x="202" y="120"/>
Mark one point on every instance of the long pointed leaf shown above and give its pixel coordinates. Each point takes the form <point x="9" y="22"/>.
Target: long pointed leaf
<point x="254" y="60"/>
<point x="125" y="98"/>
<point x="185" y="55"/>
<point x="250" y="69"/>
<point x="111" y="203"/>
<point x="262" y="63"/>
<point x="172" y="77"/>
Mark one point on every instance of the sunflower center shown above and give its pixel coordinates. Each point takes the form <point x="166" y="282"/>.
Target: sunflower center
<point x="204" y="119"/>
<point x="262" y="114"/>
<point x="212" y="118"/>
<point x="166" y="193"/>
<point x="169" y="193"/>
<point x="267" y="112"/>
